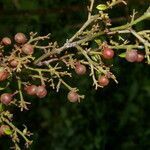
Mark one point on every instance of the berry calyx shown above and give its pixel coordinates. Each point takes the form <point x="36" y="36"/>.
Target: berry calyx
<point x="140" y="57"/>
<point x="6" y="41"/>
<point x="107" y="53"/>
<point x="6" y="98"/>
<point x="31" y="89"/>
<point x="131" y="55"/>
<point x="73" y="96"/>
<point x="20" y="38"/>
<point x="80" y="69"/>
<point x="3" y="74"/>
<point x="28" y="49"/>
<point x="41" y="91"/>
<point x="3" y="128"/>
<point x="103" y="80"/>
<point x="14" y="63"/>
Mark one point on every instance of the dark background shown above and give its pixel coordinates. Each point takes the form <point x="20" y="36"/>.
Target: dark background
<point x="113" y="118"/>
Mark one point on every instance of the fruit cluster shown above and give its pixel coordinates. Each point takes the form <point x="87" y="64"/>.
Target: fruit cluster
<point x="35" y="68"/>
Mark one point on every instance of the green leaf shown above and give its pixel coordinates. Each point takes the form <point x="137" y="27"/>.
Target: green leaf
<point x="8" y="131"/>
<point x="1" y="88"/>
<point x="122" y="55"/>
<point x="101" y="7"/>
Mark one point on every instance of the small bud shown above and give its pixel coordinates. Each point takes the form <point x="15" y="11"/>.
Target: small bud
<point x="102" y="7"/>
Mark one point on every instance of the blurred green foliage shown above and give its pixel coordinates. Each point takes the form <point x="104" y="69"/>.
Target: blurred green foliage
<point x="113" y="118"/>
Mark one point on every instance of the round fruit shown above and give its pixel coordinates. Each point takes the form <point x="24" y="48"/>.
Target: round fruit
<point x="3" y="128"/>
<point x="73" y="96"/>
<point x="140" y="57"/>
<point x="6" y="98"/>
<point x="20" y="38"/>
<point x="80" y="69"/>
<point x="6" y="41"/>
<point x="28" y="49"/>
<point x="107" y="53"/>
<point x="3" y="74"/>
<point x="31" y="89"/>
<point x="14" y="63"/>
<point x="103" y="80"/>
<point x="41" y="91"/>
<point x="131" y="55"/>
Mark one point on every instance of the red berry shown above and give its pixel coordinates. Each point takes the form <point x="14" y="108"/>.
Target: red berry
<point x="140" y="57"/>
<point x="28" y="49"/>
<point x="107" y="53"/>
<point x="14" y="63"/>
<point x="41" y="91"/>
<point x="131" y="55"/>
<point x="20" y="38"/>
<point x="3" y="128"/>
<point x="73" y="96"/>
<point x="80" y="69"/>
<point x="6" y="41"/>
<point x="6" y="98"/>
<point x="3" y="74"/>
<point x="103" y="80"/>
<point x="31" y="89"/>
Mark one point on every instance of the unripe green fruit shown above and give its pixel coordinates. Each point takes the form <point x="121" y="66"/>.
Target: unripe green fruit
<point x="3" y="128"/>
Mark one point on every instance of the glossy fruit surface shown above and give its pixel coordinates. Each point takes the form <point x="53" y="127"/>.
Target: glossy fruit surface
<point x="103" y="80"/>
<point x="41" y="91"/>
<point x="80" y="69"/>
<point x="31" y="89"/>
<point x="6" y="41"/>
<point x="20" y="38"/>
<point x="73" y="96"/>
<point x="3" y="74"/>
<point x="107" y="53"/>
<point x="140" y="57"/>
<point x="131" y="55"/>
<point x="28" y="49"/>
<point x="6" y="98"/>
